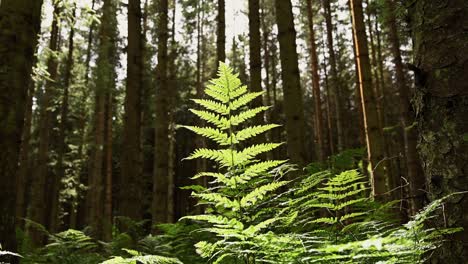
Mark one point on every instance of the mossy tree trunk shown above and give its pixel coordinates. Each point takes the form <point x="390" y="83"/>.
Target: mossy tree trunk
<point x="440" y="37"/>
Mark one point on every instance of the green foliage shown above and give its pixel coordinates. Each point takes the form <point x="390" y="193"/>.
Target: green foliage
<point x="244" y="185"/>
<point x="137" y="258"/>
<point x="323" y="217"/>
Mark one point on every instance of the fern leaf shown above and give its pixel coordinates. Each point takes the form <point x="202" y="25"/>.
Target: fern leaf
<point x="212" y="118"/>
<point x="253" y="131"/>
<point x="211" y="133"/>
<point x="243" y="116"/>
<point x="244" y="100"/>
<point x="252" y="151"/>
<point x="259" y="193"/>
<point x="213" y="106"/>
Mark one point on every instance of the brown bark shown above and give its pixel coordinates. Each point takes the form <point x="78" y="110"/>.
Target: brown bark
<point x="38" y="207"/>
<point x="19" y="28"/>
<point x="161" y="144"/>
<point x="255" y="60"/>
<point x="334" y="87"/>
<point x="221" y="33"/>
<point x="315" y="85"/>
<point x="441" y="103"/>
<point x="373" y="133"/>
<point x="293" y="107"/>
<point x="98" y="178"/>
<point x="131" y="179"/>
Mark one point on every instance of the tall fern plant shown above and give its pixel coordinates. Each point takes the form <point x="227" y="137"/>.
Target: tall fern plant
<point x="237" y="197"/>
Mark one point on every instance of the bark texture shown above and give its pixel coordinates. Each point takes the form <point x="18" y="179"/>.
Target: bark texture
<point x="293" y="106"/>
<point x="19" y="28"/>
<point x="255" y="59"/>
<point x="440" y="37"/>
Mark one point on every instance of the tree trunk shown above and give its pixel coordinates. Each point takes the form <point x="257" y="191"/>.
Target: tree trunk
<point x="414" y="175"/>
<point x="38" y="207"/>
<point x="334" y="87"/>
<point x="373" y="133"/>
<point x="19" y="28"/>
<point x="107" y="214"/>
<point x="293" y="106"/>
<point x="315" y="84"/>
<point x="221" y="34"/>
<point x="105" y="84"/>
<point x="441" y="104"/>
<point x="62" y="144"/>
<point x="131" y="179"/>
<point x="255" y="63"/>
<point x="161" y="144"/>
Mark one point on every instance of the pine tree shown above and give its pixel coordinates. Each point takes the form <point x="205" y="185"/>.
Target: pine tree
<point x="373" y="133"/>
<point x="293" y="107"/>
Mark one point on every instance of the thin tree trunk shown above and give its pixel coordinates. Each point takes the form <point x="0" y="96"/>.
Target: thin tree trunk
<point x="161" y="144"/>
<point x="54" y="213"/>
<point x="37" y="209"/>
<point x="414" y="175"/>
<point x="316" y="84"/>
<point x="374" y="136"/>
<point x="293" y="106"/>
<point x="19" y="21"/>
<point x="107" y="215"/>
<point x="221" y="33"/>
<point x="255" y="60"/>
<point x="335" y="87"/>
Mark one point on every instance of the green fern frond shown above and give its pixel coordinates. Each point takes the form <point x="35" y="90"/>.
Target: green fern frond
<point x="253" y="131"/>
<point x="258" y="194"/>
<point x="246" y="115"/>
<point x="244" y="100"/>
<point x="213" y="106"/>
<point x="211" y="133"/>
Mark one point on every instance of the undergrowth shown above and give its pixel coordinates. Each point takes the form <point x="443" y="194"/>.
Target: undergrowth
<point x="256" y="211"/>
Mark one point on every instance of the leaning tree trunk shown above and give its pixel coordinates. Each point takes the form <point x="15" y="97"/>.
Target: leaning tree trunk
<point x="19" y="27"/>
<point x="439" y="31"/>
<point x="373" y="132"/>
<point x="293" y="107"/>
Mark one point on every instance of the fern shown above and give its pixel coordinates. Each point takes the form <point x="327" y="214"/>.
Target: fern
<point x="244" y="183"/>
